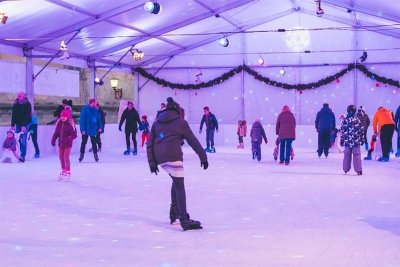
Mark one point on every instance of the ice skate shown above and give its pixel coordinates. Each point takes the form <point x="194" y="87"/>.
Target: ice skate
<point x="127" y="152"/>
<point x="90" y="149"/>
<point x="383" y="159"/>
<point x="398" y="152"/>
<point x="188" y="224"/>
<point x="61" y="176"/>
<point x="81" y="157"/>
<point x="368" y="158"/>
<point x="242" y="146"/>
<point x="173" y="212"/>
<point x="134" y="152"/>
<point x="275" y="158"/>
<point x="359" y="173"/>
<point x="212" y="150"/>
<point x="67" y="176"/>
<point x="239" y="145"/>
<point x="37" y="155"/>
<point x="207" y="150"/>
<point x="254" y="154"/>
<point x="96" y="157"/>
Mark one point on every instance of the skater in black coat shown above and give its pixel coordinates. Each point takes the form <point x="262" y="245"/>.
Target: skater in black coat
<point x="132" y="118"/>
<point x="164" y="149"/>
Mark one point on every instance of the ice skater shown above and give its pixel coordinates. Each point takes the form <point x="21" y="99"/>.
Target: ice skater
<point x="241" y="132"/>
<point x="132" y="118"/>
<point x="144" y="127"/>
<point x="286" y="131"/>
<point x="352" y="138"/>
<point x="276" y="150"/>
<point x="211" y="126"/>
<point x="10" y="144"/>
<point x="164" y="149"/>
<point x="257" y="134"/>
<point x="65" y="132"/>
<point x="372" y="148"/>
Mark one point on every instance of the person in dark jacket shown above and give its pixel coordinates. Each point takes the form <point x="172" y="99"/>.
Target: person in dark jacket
<point x="164" y="149"/>
<point x="20" y="119"/>
<point x="65" y="132"/>
<point x="211" y="125"/>
<point x="364" y="118"/>
<point x="397" y="123"/>
<point x="257" y="134"/>
<point x="57" y="112"/>
<point x="103" y="122"/>
<point x="132" y="123"/>
<point x="90" y="126"/>
<point x="352" y="137"/>
<point x="286" y="131"/>
<point x="325" y="124"/>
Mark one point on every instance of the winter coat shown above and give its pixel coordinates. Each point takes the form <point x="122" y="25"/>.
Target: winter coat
<point x="10" y="143"/>
<point x="103" y="118"/>
<point x="242" y="129"/>
<point x="21" y="113"/>
<point x="166" y="135"/>
<point x="286" y="125"/>
<point x="397" y="119"/>
<point x="352" y="131"/>
<point x="90" y="121"/>
<point x="382" y="117"/>
<point x="65" y="133"/>
<point x="325" y="119"/>
<point x="144" y="126"/>
<point x="257" y="133"/>
<point x="212" y="122"/>
<point x="132" y="120"/>
<point x="57" y="113"/>
<point x="364" y="118"/>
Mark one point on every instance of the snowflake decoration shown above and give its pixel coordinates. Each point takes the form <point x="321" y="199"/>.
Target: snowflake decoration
<point x="298" y="39"/>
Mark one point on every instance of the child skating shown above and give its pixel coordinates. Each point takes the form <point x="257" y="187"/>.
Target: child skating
<point x="164" y="149"/>
<point x="144" y="127"/>
<point x="11" y="144"/>
<point x="241" y="132"/>
<point x="65" y="133"/>
<point x="257" y="135"/>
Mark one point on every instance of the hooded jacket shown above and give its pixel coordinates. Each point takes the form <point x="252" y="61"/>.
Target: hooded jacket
<point x="132" y="120"/>
<point x="257" y="132"/>
<point x="286" y="125"/>
<point x="21" y="113"/>
<point x="10" y="143"/>
<point x="90" y="121"/>
<point x="166" y="135"/>
<point x="325" y="119"/>
<point x="65" y="133"/>
<point x="211" y="123"/>
<point x="382" y="117"/>
<point x="352" y="131"/>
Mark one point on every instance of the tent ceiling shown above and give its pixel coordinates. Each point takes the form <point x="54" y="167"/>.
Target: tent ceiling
<point x="107" y="29"/>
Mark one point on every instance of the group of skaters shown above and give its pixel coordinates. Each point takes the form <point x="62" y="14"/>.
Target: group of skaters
<point x="165" y="139"/>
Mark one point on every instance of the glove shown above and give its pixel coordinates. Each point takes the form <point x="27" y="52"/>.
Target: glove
<point x="53" y="144"/>
<point x="266" y="142"/>
<point x="204" y="164"/>
<point x="120" y="128"/>
<point x="199" y="131"/>
<point x="316" y="130"/>
<point x="341" y="142"/>
<point x="217" y="130"/>
<point x="154" y="170"/>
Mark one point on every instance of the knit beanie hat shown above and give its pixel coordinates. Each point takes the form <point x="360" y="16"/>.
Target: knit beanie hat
<point x="65" y="113"/>
<point x="144" y="117"/>
<point x="172" y="105"/>
<point x="11" y="132"/>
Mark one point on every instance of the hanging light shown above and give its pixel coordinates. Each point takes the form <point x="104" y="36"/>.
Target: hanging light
<point x="261" y="60"/>
<point x="282" y="72"/>
<point x="152" y="7"/>
<point x="98" y="81"/>
<point x="3" y="19"/>
<point x="63" y="46"/>
<point x="136" y="54"/>
<point x="114" y="83"/>
<point x="224" y="42"/>
<point x="319" y="11"/>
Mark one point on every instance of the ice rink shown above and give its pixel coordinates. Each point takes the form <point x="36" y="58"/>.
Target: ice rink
<point x="115" y="213"/>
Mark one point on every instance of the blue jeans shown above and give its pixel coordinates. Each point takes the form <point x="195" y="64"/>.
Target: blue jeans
<point x="22" y="140"/>
<point x="210" y="137"/>
<point x="285" y="146"/>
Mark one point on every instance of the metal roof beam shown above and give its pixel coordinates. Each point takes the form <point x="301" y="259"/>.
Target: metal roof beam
<point x="221" y="16"/>
<point x="356" y="24"/>
<point x="77" y="26"/>
<point x="11" y="43"/>
<point x="364" y="10"/>
<point x="171" y="28"/>
<point x="210" y="40"/>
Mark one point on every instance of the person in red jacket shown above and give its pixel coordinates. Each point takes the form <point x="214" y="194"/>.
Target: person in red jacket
<point x="65" y="133"/>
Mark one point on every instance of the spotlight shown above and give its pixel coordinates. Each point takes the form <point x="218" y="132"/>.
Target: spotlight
<point x="261" y="60"/>
<point x="3" y="19"/>
<point x="197" y="76"/>
<point x="98" y="81"/>
<point x="64" y="56"/>
<point x="363" y="57"/>
<point x="63" y="46"/>
<point x="224" y="42"/>
<point x="319" y="11"/>
<point x="282" y="72"/>
<point x="152" y="7"/>
<point x="136" y="54"/>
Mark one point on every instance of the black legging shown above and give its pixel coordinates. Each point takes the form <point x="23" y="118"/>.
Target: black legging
<point x="386" y="136"/>
<point x="34" y="135"/>
<point x="178" y="194"/>
<point x="128" y="142"/>
<point x="84" y="141"/>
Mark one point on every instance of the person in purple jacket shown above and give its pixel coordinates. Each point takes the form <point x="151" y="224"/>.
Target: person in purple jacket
<point x="164" y="149"/>
<point x="11" y="144"/>
<point x="257" y="134"/>
<point x="286" y="131"/>
<point x="65" y="133"/>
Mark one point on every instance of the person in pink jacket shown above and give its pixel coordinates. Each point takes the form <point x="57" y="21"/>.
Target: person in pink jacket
<point x="286" y="131"/>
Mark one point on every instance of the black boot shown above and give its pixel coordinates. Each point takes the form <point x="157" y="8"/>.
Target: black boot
<point x="96" y="157"/>
<point x="188" y="224"/>
<point x="173" y="212"/>
<point x="81" y="157"/>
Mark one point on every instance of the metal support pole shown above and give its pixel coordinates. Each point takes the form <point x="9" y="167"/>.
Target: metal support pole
<point x="92" y="75"/>
<point x="243" y="77"/>
<point x="30" y="88"/>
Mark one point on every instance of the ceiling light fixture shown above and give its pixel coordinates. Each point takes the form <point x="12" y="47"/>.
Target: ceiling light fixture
<point x="3" y="19"/>
<point x="319" y="11"/>
<point x="363" y="57"/>
<point x="63" y="46"/>
<point x="64" y="56"/>
<point x="98" y="81"/>
<point x="152" y="7"/>
<point x="282" y="72"/>
<point x="261" y="60"/>
<point x="224" y="42"/>
<point x="136" y="54"/>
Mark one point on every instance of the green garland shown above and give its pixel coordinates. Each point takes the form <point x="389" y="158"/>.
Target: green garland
<point x="299" y="87"/>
